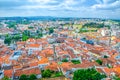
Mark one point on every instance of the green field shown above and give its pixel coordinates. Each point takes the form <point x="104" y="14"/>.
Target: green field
<point x="75" y="25"/>
<point x="79" y="26"/>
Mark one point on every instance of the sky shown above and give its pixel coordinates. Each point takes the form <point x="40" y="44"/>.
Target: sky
<point x="61" y="8"/>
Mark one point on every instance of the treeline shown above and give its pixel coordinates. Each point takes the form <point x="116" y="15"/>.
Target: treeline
<point x="25" y="35"/>
<point x="13" y="24"/>
<point x="88" y="74"/>
<point x="95" y="25"/>
<point x="23" y="77"/>
<point x="21" y="37"/>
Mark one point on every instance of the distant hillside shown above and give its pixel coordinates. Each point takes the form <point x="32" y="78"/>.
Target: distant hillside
<point x="46" y="18"/>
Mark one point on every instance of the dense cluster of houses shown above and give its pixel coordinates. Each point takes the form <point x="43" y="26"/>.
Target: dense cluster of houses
<point x="34" y="55"/>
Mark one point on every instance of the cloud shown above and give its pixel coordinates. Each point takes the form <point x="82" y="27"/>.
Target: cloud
<point x="108" y="1"/>
<point x="64" y="8"/>
<point x="108" y="5"/>
<point x="43" y="1"/>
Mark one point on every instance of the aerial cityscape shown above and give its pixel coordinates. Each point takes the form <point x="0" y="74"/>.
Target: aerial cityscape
<point x="60" y="40"/>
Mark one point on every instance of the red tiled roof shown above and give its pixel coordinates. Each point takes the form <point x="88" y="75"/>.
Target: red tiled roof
<point x="66" y="66"/>
<point x="8" y="73"/>
<point x="108" y="71"/>
<point x="100" y="70"/>
<point x="21" y="43"/>
<point x="33" y="64"/>
<point x="17" y="67"/>
<point x="34" y="45"/>
<point x="43" y="61"/>
<point x="47" y="52"/>
<point x="27" y="71"/>
<point x="84" y="65"/>
<point x="53" y="66"/>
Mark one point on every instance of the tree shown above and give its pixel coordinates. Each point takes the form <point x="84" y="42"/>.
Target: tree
<point x="105" y="56"/>
<point x="32" y="77"/>
<point x="65" y="60"/>
<point x="99" y="61"/>
<point x="6" y="78"/>
<point x="24" y="37"/>
<point x="116" y="77"/>
<point x="16" y="37"/>
<point x="46" y="73"/>
<point x="94" y="25"/>
<point x="30" y="27"/>
<point x="23" y="77"/>
<point x="87" y="74"/>
<point x="58" y="74"/>
<point x="51" y="30"/>
<point x="26" y="32"/>
<point x="11" y="24"/>
<point x="75" y="61"/>
<point x="7" y="40"/>
<point x="40" y="35"/>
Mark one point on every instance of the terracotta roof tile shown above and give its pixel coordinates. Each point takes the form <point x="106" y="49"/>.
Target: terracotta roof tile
<point x="27" y="71"/>
<point x="8" y="73"/>
<point x="17" y="67"/>
<point x="66" y="66"/>
<point x="33" y="64"/>
<point x="108" y="71"/>
<point x="53" y="66"/>
<point x="34" y="45"/>
<point x="43" y="61"/>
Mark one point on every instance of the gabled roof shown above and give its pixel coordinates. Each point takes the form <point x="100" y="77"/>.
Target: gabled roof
<point x="34" y="45"/>
<point x="17" y="67"/>
<point x="48" y="51"/>
<point x="107" y="70"/>
<point x="84" y="65"/>
<point x="8" y="73"/>
<point x="28" y="71"/>
<point x="43" y="61"/>
<point x="21" y="43"/>
<point x="33" y="64"/>
<point x="53" y="66"/>
<point x="66" y="66"/>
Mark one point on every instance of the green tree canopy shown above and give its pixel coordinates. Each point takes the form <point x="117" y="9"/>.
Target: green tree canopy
<point x="51" y="30"/>
<point x="40" y="35"/>
<point x="116" y="77"/>
<point x="94" y="25"/>
<point x="99" y="61"/>
<point x="46" y="73"/>
<point x="23" y="77"/>
<point x="12" y="24"/>
<point x="17" y="37"/>
<point x="75" y="61"/>
<point x="7" y="40"/>
<point x="105" y="56"/>
<point x="87" y="74"/>
<point x="24" y="37"/>
<point x="6" y="78"/>
<point x="32" y="77"/>
<point x="65" y="60"/>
